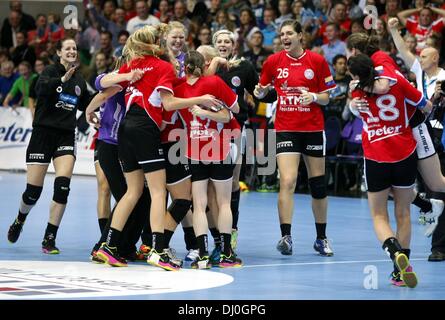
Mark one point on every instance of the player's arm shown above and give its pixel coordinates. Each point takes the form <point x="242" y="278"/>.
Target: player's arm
<point x="223" y="115"/>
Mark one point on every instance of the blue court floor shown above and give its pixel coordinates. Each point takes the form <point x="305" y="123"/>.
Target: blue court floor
<point x="358" y="270"/>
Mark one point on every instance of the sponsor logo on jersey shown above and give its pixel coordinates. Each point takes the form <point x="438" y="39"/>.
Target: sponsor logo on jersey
<point x="59" y="89"/>
<point x="236" y="81"/>
<point x="314" y="147"/>
<point x="385" y="131"/>
<point x="309" y="74"/>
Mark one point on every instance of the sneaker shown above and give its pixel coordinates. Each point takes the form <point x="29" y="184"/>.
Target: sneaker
<point x="285" y="245"/>
<point x="215" y="256"/>
<point x="192" y="255"/>
<point x="201" y="263"/>
<point x="14" y="231"/>
<point x="396" y="280"/>
<point x="230" y="261"/>
<point x="110" y="256"/>
<point x="432" y="218"/>
<point x="436" y="256"/>
<point x="144" y="250"/>
<point x="234" y="239"/>
<point x="161" y="260"/>
<point x="49" y="246"/>
<point x="323" y="247"/>
<point x="243" y="186"/>
<point x="262" y="188"/>
<point x="94" y="258"/>
<point x="406" y="271"/>
<point x="172" y="255"/>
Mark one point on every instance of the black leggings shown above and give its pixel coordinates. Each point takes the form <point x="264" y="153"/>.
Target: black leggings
<point x="108" y="159"/>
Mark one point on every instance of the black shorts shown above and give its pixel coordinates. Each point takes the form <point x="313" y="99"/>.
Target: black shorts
<point x="140" y="142"/>
<point x="215" y="171"/>
<point x="96" y="148"/>
<point x="380" y="176"/>
<point x="176" y="166"/>
<point x="309" y="143"/>
<point x="47" y="144"/>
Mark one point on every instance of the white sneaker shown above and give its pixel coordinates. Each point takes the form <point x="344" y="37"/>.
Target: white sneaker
<point x="192" y="255"/>
<point x="431" y="218"/>
<point x="173" y="258"/>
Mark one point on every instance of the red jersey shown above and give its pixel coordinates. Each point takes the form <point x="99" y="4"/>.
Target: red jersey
<point x="207" y="140"/>
<point x="387" y="136"/>
<point x="289" y="75"/>
<point x="380" y="58"/>
<point x="422" y="33"/>
<point x="158" y="74"/>
<point x="171" y="118"/>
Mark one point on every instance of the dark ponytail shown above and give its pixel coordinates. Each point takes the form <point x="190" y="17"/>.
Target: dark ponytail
<point x="194" y="63"/>
<point x="363" y="67"/>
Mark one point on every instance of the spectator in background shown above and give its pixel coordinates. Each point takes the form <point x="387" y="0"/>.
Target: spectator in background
<point x="180" y="14"/>
<point x="334" y="47"/>
<point x="270" y="29"/>
<point x="129" y="8"/>
<point x="215" y="6"/>
<point x="39" y="37"/>
<point x="222" y="22"/>
<point x="303" y="15"/>
<point x="163" y="13"/>
<point x="101" y="66"/>
<point x="284" y="9"/>
<point x="353" y="10"/>
<point x="423" y="28"/>
<point x="204" y="37"/>
<point x="246" y="30"/>
<point x="11" y="25"/>
<point x="38" y="68"/>
<point x="257" y="54"/>
<point x="108" y="10"/>
<point x="258" y="11"/>
<point x="382" y="33"/>
<point x="143" y="18"/>
<point x="122" y="38"/>
<point x="57" y="33"/>
<point x="392" y="7"/>
<point x="276" y="44"/>
<point x="7" y="79"/>
<point x="106" y="47"/>
<point x="357" y="25"/>
<point x="22" y="85"/>
<point x="340" y="18"/>
<point x="338" y="96"/>
<point x="22" y="52"/>
<point x="322" y="11"/>
<point x="28" y="20"/>
<point x="115" y="24"/>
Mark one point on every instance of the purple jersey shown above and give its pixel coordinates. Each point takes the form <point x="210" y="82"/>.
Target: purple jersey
<point x="181" y="59"/>
<point x="111" y="115"/>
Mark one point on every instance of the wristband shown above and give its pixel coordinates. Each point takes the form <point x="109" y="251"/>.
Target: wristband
<point x="314" y="96"/>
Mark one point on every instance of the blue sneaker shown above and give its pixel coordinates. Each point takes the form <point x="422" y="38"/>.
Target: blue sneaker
<point x="215" y="256"/>
<point x="323" y="247"/>
<point x="285" y="245"/>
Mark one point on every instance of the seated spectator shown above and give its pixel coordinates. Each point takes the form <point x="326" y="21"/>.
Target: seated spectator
<point x="285" y="12"/>
<point x="392" y="7"/>
<point x="122" y="40"/>
<point x="204" y="37"/>
<point x="305" y="16"/>
<point x="357" y="25"/>
<point x="57" y="33"/>
<point x="143" y="18"/>
<point x="180" y="14"/>
<point x="22" y="52"/>
<point x="129" y="8"/>
<point x="7" y="79"/>
<point x="258" y="11"/>
<point x="101" y="66"/>
<point x="163" y="13"/>
<point x="106" y="47"/>
<point x="22" y="85"/>
<point x="246" y="30"/>
<point x="353" y="10"/>
<point x="222" y="22"/>
<point x="340" y="18"/>
<point x="270" y="29"/>
<point x="338" y="97"/>
<point x="257" y="54"/>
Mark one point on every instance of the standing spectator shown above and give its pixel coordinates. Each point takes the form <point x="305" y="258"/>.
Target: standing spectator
<point x="257" y="54"/>
<point x="23" y="52"/>
<point x="7" y="79"/>
<point x="28" y="20"/>
<point x="129" y="8"/>
<point x="246" y="30"/>
<point x="22" y="85"/>
<point x="11" y="26"/>
<point x="339" y="95"/>
<point x="270" y="28"/>
<point x="144" y="18"/>
<point x="285" y="12"/>
<point x="180" y="14"/>
<point x="39" y="37"/>
<point x="335" y="46"/>
<point x="163" y="14"/>
<point x="423" y="28"/>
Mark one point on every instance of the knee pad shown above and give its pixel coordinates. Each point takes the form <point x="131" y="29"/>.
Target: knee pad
<point x="61" y="189"/>
<point x="318" y="187"/>
<point x="179" y="208"/>
<point x="31" y="194"/>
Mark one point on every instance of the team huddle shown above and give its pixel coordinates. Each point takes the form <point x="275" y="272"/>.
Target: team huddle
<point x="170" y="124"/>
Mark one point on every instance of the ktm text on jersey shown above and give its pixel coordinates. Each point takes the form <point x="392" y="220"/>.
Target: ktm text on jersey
<point x="290" y="77"/>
